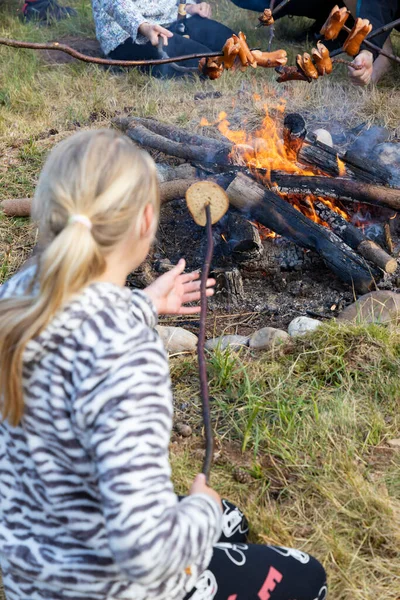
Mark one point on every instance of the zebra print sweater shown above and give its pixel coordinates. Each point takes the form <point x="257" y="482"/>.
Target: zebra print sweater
<point x="87" y="507"/>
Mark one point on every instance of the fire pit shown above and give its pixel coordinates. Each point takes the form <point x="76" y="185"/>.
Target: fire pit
<point x="309" y="226"/>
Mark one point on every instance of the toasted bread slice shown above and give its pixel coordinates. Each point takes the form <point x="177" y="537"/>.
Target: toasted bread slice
<point x="202" y="193"/>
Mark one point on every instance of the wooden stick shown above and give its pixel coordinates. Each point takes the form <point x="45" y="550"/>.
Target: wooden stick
<point x="205" y="398"/>
<point x="339" y="188"/>
<point x="105" y="61"/>
<point x="277" y="214"/>
<point x="102" y="61"/>
<point x="369" y="45"/>
<point x="354" y="237"/>
<point x="280" y="6"/>
<point x="384" y="28"/>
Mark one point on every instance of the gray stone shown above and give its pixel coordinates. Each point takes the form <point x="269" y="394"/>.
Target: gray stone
<point x="368" y="139"/>
<point x="177" y="339"/>
<point x="394" y="443"/>
<point x="388" y="155"/>
<point x="183" y="429"/>
<point x="376" y="307"/>
<point x="267" y="337"/>
<point x="323" y="136"/>
<point x="233" y="341"/>
<point x="303" y="325"/>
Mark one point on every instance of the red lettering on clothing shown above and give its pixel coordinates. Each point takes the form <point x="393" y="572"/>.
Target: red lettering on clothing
<point x="233" y="597"/>
<point x="269" y="584"/>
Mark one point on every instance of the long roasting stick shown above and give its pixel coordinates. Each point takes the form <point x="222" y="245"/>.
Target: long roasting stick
<point x="369" y="45"/>
<point x="104" y="61"/>
<point x="384" y="28"/>
<point x="205" y="396"/>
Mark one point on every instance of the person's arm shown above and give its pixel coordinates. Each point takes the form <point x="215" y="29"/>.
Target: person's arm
<point x="379" y="13"/>
<point x="373" y="66"/>
<point x="126" y="424"/>
<point x="131" y="20"/>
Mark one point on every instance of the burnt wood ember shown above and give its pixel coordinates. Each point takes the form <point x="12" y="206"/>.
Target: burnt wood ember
<point x="278" y="215"/>
<point x="242" y="237"/>
<point x="325" y="158"/>
<point x="294" y="133"/>
<point x="230" y="284"/>
<point x="354" y="237"/>
<point x="339" y="188"/>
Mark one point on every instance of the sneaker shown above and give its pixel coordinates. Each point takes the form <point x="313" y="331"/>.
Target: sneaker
<point x="46" y="11"/>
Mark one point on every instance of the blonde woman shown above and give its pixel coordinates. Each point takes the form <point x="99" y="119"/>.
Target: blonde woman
<point x="87" y="509"/>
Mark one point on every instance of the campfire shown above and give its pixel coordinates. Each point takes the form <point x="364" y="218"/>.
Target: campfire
<point x="287" y="189"/>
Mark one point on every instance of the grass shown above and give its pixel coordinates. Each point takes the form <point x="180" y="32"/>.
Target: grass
<point x="309" y="423"/>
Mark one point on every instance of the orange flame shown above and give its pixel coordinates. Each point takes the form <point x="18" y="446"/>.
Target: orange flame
<point x="341" y="167"/>
<point x="265" y="149"/>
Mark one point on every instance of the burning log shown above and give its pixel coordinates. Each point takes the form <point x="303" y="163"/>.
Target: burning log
<point x="338" y="188"/>
<point x="325" y="158"/>
<point x="355" y="238"/>
<point x="278" y="215"/>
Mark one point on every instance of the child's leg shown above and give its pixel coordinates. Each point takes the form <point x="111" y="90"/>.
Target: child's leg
<point x="210" y="33"/>
<point x="253" y="572"/>
<point x="235" y="526"/>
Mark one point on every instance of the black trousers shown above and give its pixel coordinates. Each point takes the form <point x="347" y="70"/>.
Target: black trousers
<point x="313" y="9"/>
<point x="205" y="35"/>
<point x="242" y="571"/>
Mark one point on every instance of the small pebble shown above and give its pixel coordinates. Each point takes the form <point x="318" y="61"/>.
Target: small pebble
<point x="323" y="136"/>
<point x="233" y="341"/>
<point x="267" y="337"/>
<point x="183" y="429"/>
<point x="177" y="339"/>
<point x="394" y="443"/>
<point x="303" y="325"/>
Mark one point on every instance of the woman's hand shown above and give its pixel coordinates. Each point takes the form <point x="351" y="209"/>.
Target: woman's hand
<point x="154" y="32"/>
<point x="362" y="76"/>
<point x="203" y="10"/>
<point x="172" y="290"/>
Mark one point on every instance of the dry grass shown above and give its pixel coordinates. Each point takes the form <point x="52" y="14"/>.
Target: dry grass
<point x="309" y="424"/>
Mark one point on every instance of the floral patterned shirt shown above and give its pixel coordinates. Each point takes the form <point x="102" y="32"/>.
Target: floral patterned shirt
<point x="118" y="20"/>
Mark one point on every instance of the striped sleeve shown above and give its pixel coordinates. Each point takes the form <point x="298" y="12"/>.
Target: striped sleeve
<point x="128" y="417"/>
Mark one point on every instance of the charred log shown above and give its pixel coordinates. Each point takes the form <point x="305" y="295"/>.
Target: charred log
<point x="355" y="238"/>
<point x="338" y="188"/>
<point x="278" y="215"/>
<point x="175" y="141"/>
<point x="325" y="159"/>
<point x="242" y="237"/>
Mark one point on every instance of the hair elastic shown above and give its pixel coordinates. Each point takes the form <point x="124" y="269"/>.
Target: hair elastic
<point x="83" y="219"/>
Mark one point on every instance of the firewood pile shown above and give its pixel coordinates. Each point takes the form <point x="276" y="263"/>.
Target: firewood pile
<point x="349" y="254"/>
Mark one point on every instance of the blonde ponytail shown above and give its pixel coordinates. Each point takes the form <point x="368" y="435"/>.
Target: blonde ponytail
<point x="102" y="177"/>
